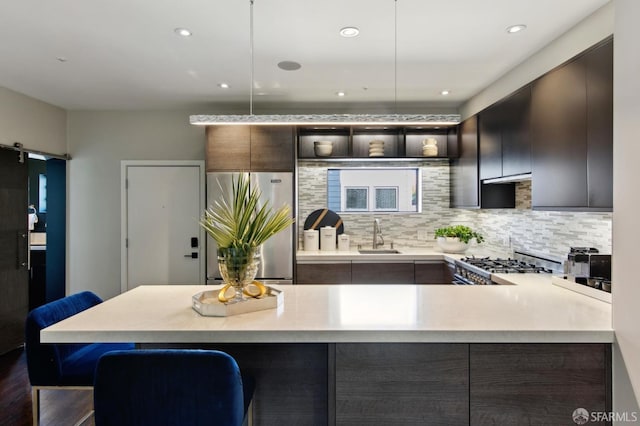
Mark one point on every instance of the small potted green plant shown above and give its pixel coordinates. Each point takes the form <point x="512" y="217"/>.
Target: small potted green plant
<point x="455" y="239"/>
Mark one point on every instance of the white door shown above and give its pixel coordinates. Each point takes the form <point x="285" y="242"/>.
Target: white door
<point x="163" y="240"/>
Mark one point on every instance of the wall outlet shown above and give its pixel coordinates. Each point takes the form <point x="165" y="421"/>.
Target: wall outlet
<point x="423" y="235"/>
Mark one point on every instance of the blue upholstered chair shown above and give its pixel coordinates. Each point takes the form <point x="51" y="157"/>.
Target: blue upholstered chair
<point x="56" y="366"/>
<point x="179" y="387"/>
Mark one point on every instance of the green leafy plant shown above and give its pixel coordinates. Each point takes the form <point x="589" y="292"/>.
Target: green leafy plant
<point x="240" y="223"/>
<point x="464" y="233"/>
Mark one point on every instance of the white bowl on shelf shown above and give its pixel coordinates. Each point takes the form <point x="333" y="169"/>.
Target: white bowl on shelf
<point x="452" y="245"/>
<point x="323" y="148"/>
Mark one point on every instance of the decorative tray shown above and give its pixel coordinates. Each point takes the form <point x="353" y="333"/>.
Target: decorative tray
<point x="206" y="303"/>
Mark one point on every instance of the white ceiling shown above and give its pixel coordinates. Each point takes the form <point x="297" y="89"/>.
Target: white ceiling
<point x="124" y="54"/>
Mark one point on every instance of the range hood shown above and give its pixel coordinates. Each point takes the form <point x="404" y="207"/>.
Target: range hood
<point x="509" y="179"/>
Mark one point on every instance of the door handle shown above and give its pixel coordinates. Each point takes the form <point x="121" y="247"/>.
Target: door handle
<point x="193" y="255"/>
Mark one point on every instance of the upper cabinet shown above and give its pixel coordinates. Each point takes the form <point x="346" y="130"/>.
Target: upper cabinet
<point x="572" y="134"/>
<point x="388" y="142"/>
<point x="505" y="144"/>
<point x="250" y="148"/>
<point x="466" y="190"/>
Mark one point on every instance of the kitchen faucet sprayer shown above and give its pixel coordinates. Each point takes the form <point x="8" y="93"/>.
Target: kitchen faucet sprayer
<point x="378" y="240"/>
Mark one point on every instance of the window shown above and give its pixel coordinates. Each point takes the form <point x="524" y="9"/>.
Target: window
<point x="386" y="199"/>
<point x="357" y="198"/>
<point x="374" y="189"/>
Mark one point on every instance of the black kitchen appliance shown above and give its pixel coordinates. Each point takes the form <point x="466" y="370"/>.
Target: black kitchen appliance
<point x="478" y="270"/>
<point x="586" y="262"/>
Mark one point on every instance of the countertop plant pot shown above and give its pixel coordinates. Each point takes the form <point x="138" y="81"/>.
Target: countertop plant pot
<point x="452" y="245"/>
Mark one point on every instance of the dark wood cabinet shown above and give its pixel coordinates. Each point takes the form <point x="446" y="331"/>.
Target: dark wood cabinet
<point x="432" y="272"/>
<point x="228" y="148"/>
<point x="401" y="384"/>
<point x="323" y="273"/>
<point x="464" y="169"/>
<point x="382" y="273"/>
<point x="572" y="134"/>
<point x="559" y="134"/>
<point x="272" y="148"/>
<point x="466" y="191"/>
<point x="526" y="384"/>
<point x="250" y="148"/>
<point x="491" y="122"/>
<point x="516" y="133"/>
<point x="600" y="127"/>
<point x="504" y="134"/>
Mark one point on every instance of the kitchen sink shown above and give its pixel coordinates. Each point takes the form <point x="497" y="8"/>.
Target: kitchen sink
<point x="379" y="251"/>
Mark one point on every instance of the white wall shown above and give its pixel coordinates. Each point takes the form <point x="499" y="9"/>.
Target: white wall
<point x="626" y="203"/>
<point x="37" y="125"/>
<point x="98" y="141"/>
<point x="591" y="30"/>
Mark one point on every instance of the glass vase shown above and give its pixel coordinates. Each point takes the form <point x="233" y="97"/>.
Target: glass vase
<point x="238" y="267"/>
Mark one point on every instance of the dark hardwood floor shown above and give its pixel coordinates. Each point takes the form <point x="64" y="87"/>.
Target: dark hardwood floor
<point x="57" y="407"/>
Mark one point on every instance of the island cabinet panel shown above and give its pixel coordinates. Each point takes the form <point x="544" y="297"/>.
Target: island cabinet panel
<point x="291" y="381"/>
<point x="432" y="272"/>
<point x="250" y="148"/>
<point x="535" y="384"/>
<point x="323" y="273"/>
<point x="382" y="273"/>
<point x="401" y="384"/>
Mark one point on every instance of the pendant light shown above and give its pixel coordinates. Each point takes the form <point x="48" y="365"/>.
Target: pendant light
<point x="325" y="119"/>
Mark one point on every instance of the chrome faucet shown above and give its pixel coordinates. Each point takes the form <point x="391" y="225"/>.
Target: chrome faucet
<point x="377" y="234"/>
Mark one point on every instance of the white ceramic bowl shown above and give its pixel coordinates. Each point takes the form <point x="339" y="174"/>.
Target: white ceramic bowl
<point x="322" y="150"/>
<point x="452" y="245"/>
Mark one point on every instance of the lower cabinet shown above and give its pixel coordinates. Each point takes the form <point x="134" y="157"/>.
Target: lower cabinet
<point x="323" y="273"/>
<point x="475" y="384"/>
<point x="358" y="272"/>
<point x="432" y="272"/>
<point x="525" y="384"/>
<point x="401" y="384"/>
<point x="382" y="273"/>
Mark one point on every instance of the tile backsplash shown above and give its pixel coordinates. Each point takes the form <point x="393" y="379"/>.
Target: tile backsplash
<point x="548" y="233"/>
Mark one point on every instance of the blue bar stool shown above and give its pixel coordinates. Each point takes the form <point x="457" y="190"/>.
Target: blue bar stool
<point x="61" y="366"/>
<point x="185" y="387"/>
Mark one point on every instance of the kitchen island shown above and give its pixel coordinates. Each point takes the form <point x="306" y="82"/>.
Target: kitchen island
<point x="527" y="353"/>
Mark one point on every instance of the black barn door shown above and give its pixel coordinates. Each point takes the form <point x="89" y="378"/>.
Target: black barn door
<point x="14" y="250"/>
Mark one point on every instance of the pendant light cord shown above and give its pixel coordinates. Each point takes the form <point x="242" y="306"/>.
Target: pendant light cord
<point x="395" y="54"/>
<point x="251" y="57"/>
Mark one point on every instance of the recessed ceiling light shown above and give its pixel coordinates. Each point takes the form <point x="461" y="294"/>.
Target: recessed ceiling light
<point x="289" y="65"/>
<point x="516" y="28"/>
<point x="223" y="85"/>
<point x="182" y="32"/>
<point x="349" y="32"/>
<point x="61" y="59"/>
<point x="341" y="94"/>
<point x="444" y="92"/>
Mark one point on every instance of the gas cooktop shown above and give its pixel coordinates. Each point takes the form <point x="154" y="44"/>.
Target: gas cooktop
<point x="504" y="266"/>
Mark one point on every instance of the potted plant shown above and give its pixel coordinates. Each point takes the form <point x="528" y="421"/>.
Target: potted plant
<point x="239" y="226"/>
<point x="455" y="239"/>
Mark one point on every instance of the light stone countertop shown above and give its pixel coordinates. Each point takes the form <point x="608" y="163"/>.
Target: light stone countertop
<point x="405" y="255"/>
<point x="532" y="310"/>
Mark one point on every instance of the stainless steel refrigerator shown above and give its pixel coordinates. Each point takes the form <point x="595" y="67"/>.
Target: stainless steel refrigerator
<point x="276" y="266"/>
